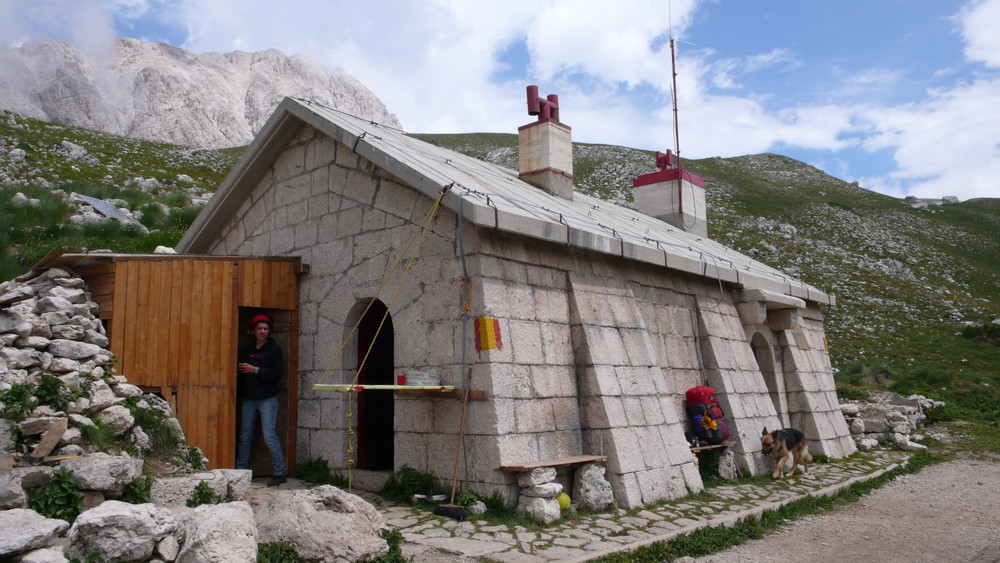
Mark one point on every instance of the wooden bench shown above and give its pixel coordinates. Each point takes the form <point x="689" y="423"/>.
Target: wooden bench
<point x="528" y="466"/>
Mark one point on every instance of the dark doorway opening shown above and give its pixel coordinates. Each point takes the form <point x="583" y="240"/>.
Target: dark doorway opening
<point x="375" y="408"/>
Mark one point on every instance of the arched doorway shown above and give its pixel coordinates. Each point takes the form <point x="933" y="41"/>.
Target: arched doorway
<point x="766" y="360"/>
<point x="375" y="408"/>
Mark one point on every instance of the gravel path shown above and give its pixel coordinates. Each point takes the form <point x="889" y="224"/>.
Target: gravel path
<point x="947" y="512"/>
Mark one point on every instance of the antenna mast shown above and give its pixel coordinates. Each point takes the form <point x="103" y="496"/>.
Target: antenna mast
<point x="677" y="128"/>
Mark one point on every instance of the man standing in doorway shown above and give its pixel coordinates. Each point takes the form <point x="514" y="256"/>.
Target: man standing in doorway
<point x="260" y="368"/>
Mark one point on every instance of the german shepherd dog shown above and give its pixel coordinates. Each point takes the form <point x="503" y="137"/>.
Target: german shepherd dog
<point x="779" y="443"/>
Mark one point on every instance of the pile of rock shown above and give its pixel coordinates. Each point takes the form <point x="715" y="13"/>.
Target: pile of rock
<point x="320" y="524"/>
<point x="539" y="490"/>
<point x="887" y="414"/>
<point x="49" y="328"/>
<point x="49" y="325"/>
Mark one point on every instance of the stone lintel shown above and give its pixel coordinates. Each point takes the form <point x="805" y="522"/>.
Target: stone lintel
<point x="771" y="299"/>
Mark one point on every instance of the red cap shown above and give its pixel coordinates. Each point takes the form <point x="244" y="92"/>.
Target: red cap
<point x="261" y="318"/>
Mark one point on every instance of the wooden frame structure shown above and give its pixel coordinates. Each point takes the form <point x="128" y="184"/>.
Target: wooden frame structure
<point x="175" y="322"/>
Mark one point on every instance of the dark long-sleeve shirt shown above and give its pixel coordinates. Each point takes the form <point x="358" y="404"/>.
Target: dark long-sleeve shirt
<point x="264" y="383"/>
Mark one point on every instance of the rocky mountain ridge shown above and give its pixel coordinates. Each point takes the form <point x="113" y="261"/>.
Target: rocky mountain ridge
<point x="158" y="92"/>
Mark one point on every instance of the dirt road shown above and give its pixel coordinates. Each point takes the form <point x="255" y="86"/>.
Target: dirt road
<point x="947" y="512"/>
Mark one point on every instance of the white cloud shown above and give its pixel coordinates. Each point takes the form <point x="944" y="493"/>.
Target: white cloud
<point x="947" y="144"/>
<point x="436" y="64"/>
<point x="980" y="21"/>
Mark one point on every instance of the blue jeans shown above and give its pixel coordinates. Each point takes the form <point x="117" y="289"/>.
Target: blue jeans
<point x="268" y="409"/>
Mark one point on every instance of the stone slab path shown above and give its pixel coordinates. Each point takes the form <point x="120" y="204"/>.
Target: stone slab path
<point x="429" y="538"/>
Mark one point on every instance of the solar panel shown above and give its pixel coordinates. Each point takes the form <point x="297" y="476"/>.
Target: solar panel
<point x="106" y="209"/>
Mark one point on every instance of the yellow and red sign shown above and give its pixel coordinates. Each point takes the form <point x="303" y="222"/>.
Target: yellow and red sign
<point x="488" y="334"/>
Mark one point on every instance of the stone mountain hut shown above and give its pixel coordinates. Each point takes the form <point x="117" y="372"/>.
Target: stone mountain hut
<point x="580" y="323"/>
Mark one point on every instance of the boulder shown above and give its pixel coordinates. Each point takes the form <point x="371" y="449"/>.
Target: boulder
<point x="119" y="531"/>
<point x="324" y="524"/>
<point x="545" y="490"/>
<point x="949" y="200"/>
<point x="175" y="491"/>
<point x="7" y="434"/>
<point x="35" y="426"/>
<point x="51" y="305"/>
<point x="168" y="548"/>
<point x="866" y="444"/>
<point x="591" y="489"/>
<point x="238" y="483"/>
<point x="14" y="322"/>
<point x="68" y="332"/>
<point x="25" y="530"/>
<point x="71" y="294"/>
<point x="728" y="469"/>
<point x="544" y="510"/>
<point x="116" y="418"/>
<point x="11" y="492"/>
<point x="101" y="396"/>
<point x="101" y="472"/>
<point x="73" y="349"/>
<point x="36" y="342"/>
<point x="220" y="532"/>
<point x="64" y="365"/>
<point x="45" y="555"/>
<point x="536" y="477"/>
<point x="17" y="358"/>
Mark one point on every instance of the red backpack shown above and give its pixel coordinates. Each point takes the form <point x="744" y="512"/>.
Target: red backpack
<point x="706" y="415"/>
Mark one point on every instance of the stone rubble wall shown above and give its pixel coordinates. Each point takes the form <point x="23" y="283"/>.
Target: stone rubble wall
<point x="887" y="418"/>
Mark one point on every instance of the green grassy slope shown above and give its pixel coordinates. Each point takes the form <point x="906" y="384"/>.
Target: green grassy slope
<point x="908" y="281"/>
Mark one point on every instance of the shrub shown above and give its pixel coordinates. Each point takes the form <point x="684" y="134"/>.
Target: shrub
<point x="139" y="491"/>
<point x="318" y="471"/>
<point x="203" y="494"/>
<point x="18" y="401"/>
<point x="395" y="555"/>
<point x="276" y="552"/>
<point x="165" y="436"/>
<point x="466" y="498"/>
<point x="59" y="499"/>
<point x="408" y="481"/>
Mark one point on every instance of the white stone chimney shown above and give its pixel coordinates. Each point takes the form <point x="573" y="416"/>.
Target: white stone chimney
<point x="673" y="195"/>
<point x="545" y="147"/>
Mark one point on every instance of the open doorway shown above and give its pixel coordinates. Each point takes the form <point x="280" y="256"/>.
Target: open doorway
<point x="766" y="361"/>
<point x="260" y="457"/>
<point x="375" y="407"/>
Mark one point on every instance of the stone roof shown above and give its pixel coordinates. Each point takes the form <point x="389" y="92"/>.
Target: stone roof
<point x="493" y="197"/>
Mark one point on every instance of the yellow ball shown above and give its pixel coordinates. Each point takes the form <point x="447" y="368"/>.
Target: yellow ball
<point x="563" y="500"/>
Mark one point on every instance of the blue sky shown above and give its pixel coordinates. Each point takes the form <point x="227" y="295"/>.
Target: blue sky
<point x="902" y="96"/>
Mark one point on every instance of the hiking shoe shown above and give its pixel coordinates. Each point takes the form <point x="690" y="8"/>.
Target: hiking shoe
<point x="276" y="480"/>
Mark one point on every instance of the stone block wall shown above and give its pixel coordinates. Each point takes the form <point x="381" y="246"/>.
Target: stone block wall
<point x="812" y="392"/>
<point x="598" y="350"/>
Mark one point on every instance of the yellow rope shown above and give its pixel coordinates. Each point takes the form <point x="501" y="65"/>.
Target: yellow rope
<point x="422" y="232"/>
<point x="378" y="292"/>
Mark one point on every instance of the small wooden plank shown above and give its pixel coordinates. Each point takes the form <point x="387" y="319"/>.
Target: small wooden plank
<point x="725" y="444"/>
<point x="51" y="438"/>
<point x="528" y="466"/>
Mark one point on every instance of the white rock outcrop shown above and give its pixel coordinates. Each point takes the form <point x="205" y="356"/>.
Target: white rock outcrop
<point x="226" y="97"/>
<point x="119" y="531"/>
<point x="324" y="524"/>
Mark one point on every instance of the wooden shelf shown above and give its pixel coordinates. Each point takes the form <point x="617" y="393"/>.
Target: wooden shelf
<point x="427" y="391"/>
<point x="725" y="444"/>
